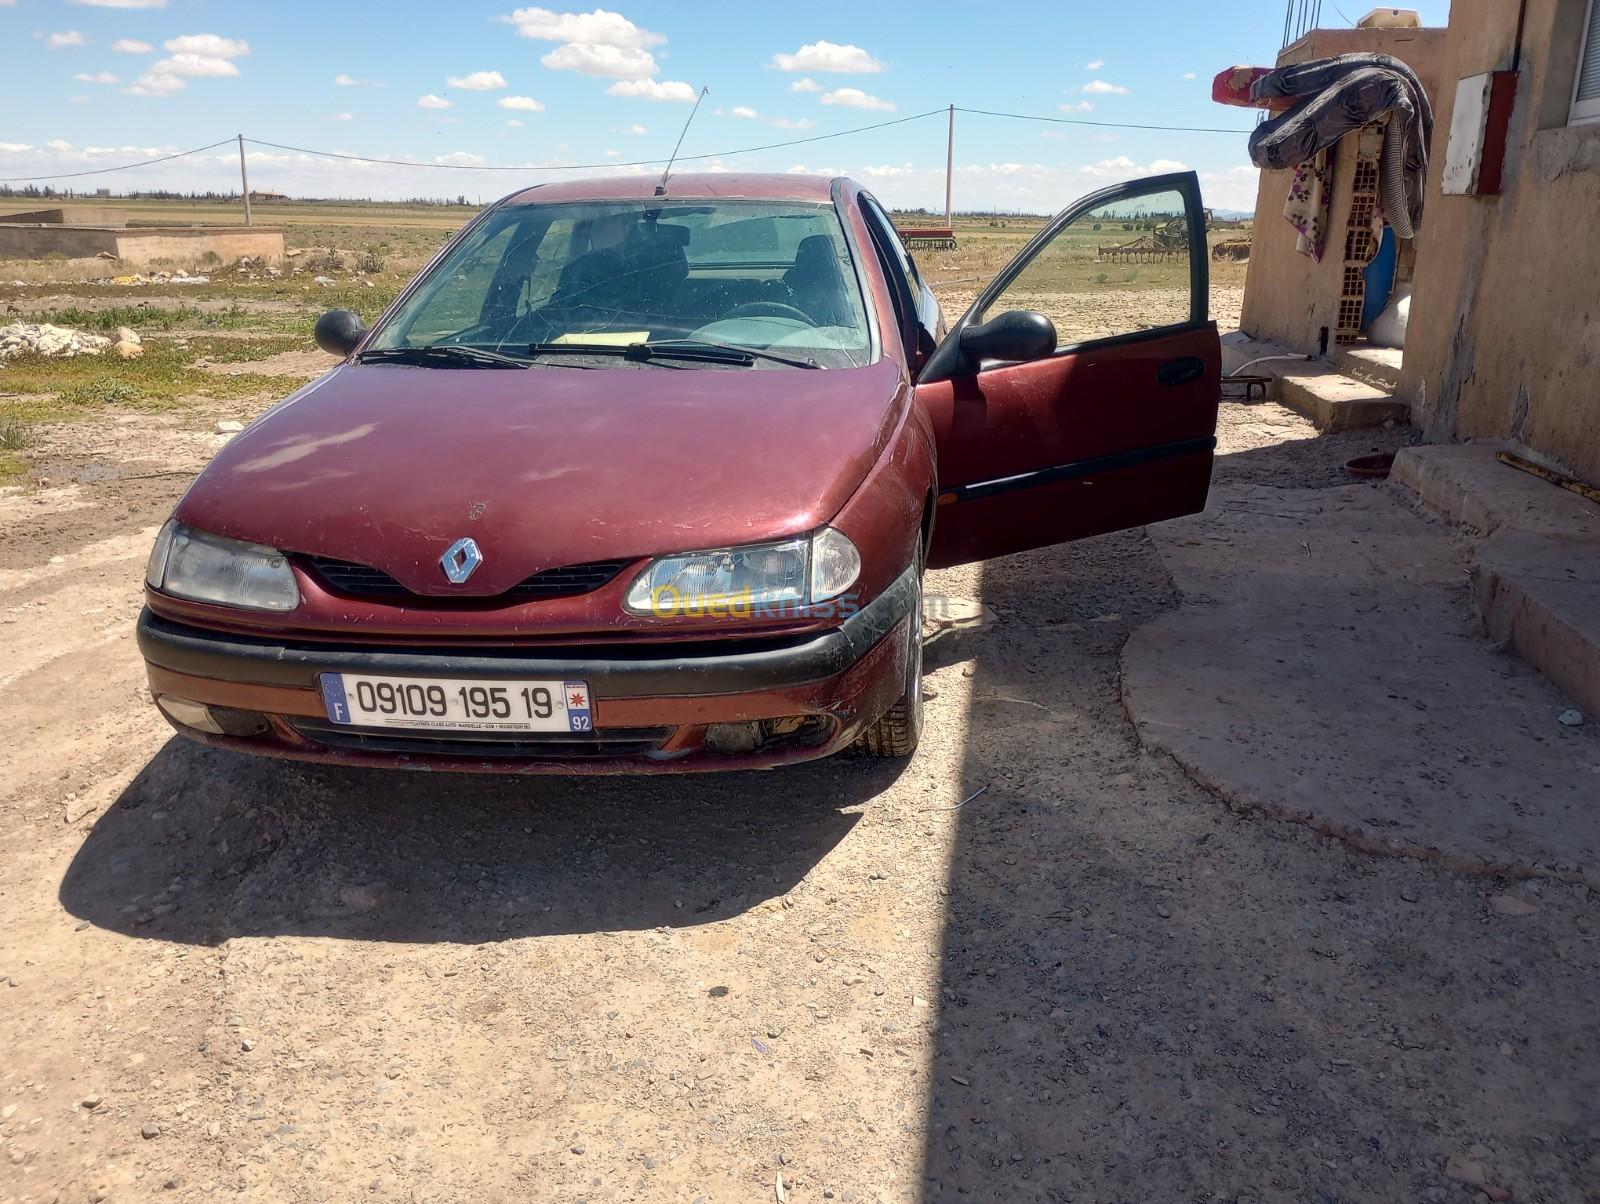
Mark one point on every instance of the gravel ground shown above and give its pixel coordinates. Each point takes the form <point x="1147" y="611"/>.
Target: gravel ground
<point x="1037" y="963"/>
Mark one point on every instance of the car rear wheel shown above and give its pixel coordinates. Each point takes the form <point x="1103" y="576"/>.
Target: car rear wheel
<point x="896" y="733"/>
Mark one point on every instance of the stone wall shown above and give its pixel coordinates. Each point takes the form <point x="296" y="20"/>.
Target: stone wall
<point x="143" y="246"/>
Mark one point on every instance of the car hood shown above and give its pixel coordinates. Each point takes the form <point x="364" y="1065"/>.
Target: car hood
<point x="389" y="465"/>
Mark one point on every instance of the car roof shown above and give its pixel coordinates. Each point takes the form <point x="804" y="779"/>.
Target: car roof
<point x="765" y="186"/>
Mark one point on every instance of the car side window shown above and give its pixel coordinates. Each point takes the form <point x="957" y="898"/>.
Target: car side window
<point x="901" y="272"/>
<point x="1115" y="269"/>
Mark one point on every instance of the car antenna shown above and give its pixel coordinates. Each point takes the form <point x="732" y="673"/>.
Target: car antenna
<point x="661" y="188"/>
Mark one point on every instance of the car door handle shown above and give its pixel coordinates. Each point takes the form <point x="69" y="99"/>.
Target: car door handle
<point x="1180" y="371"/>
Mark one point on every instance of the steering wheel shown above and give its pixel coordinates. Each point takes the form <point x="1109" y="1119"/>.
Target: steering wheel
<point x="770" y="309"/>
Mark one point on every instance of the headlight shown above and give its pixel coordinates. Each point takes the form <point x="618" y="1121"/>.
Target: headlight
<point x="790" y="574"/>
<point x="207" y="568"/>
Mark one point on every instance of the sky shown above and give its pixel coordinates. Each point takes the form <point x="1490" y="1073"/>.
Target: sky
<point x="96" y="83"/>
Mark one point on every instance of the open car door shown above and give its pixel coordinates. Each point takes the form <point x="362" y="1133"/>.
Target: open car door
<point x="1079" y="393"/>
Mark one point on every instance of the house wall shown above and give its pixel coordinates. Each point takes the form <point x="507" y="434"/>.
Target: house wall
<point x="1288" y="297"/>
<point x="1504" y="338"/>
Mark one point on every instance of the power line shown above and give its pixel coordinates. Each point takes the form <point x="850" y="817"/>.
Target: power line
<point x="527" y="167"/>
<point x="100" y="171"/>
<point x="1113" y="125"/>
<point x="743" y="150"/>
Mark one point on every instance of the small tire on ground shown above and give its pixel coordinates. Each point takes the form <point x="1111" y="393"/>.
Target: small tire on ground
<point x="897" y="731"/>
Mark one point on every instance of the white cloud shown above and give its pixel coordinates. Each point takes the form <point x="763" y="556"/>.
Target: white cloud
<point x="613" y="154"/>
<point x="521" y="104"/>
<point x="855" y="98"/>
<point x="1099" y="87"/>
<point x="348" y="81"/>
<point x="131" y="46"/>
<point x="430" y="101"/>
<point x="805" y="85"/>
<point x="636" y="129"/>
<point x="612" y="62"/>
<point x="744" y="111"/>
<point x="829" y="56"/>
<point x="599" y="28"/>
<point x="461" y="159"/>
<point x="1053" y="135"/>
<point x="341" y="117"/>
<point x="478" y="81"/>
<point x="121" y="3"/>
<point x="67" y="37"/>
<point x="99" y="77"/>
<point x="1076" y="106"/>
<point x="208" y="44"/>
<point x="1187" y="75"/>
<point x="1094" y="64"/>
<point x="653" y="89"/>
<point x="513" y="123"/>
<point x="200" y="65"/>
<point x="794" y="123"/>
<point x="153" y="84"/>
<point x="192" y="55"/>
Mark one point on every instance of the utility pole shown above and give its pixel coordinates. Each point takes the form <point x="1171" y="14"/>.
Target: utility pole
<point x="949" y="165"/>
<point x="244" y="181"/>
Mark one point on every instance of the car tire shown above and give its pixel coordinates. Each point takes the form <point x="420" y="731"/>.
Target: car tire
<point x="896" y="733"/>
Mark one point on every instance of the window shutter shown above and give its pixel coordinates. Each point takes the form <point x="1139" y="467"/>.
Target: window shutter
<point x="1586" y="93"/>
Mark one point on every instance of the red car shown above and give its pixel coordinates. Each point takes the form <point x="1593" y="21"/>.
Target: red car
<point x="638" y="478"/>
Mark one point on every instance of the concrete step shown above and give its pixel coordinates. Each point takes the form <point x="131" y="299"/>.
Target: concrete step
<point x="1536" y="572"/>
<point x="1379" y="366"/>
<point x="1334" y="401"/>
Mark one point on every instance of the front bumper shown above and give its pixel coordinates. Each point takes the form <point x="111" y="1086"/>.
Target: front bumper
<point x="652" y="702"/>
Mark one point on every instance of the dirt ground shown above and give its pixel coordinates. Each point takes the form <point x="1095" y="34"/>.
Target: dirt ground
<point x="1036" y="963"/>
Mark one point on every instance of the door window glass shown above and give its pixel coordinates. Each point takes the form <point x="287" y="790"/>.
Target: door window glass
<point x="1116" y="269"/>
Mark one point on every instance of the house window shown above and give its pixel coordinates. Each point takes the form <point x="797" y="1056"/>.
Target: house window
<point x="1586" y="92"/>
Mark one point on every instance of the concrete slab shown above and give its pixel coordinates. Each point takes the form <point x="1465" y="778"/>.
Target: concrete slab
<point x="1537" y="571"/>
<point x="1336" y="402"/>
<point x="1328" y="667"/>
<point x="1378" y="366"/>
<point x="1312" y="387"/>
<point x="1464" y="483"/>
<point x="1541" y="594"/>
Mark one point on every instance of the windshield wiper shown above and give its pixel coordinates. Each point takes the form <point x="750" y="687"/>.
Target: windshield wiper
<point x="718" y="352"/>
<point x="442" y="355"/>
<point x="677" y="349"/>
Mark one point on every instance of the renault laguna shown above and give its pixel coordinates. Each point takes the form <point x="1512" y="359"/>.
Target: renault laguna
<point x="645" y="477"/>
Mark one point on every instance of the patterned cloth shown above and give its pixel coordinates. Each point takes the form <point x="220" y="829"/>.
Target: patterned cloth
<point x="1310" y="198"/>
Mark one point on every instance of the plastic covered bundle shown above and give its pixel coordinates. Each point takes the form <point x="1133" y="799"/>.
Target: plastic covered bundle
<point x="1341" y="94"/>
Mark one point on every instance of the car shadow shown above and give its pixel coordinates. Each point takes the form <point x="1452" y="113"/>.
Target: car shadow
<point x="205" y="845"/>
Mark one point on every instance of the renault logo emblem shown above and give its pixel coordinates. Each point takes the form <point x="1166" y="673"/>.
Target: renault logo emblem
<point x="460" y="560"/>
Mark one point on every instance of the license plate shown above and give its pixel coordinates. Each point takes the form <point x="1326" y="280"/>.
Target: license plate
<point x="458" y="705"/>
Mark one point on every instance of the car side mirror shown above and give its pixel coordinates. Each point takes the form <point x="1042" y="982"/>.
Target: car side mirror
<point x="339" y="331"/>
<point x="1015" y="335"/>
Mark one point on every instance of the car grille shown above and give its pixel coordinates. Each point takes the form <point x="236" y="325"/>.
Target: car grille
<point x="363" y="581"/>
<point x="535" y="746"/>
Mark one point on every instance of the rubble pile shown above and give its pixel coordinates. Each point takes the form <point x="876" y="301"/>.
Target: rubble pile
<point x="62" y="342"/>
<point x="138" y="278"/>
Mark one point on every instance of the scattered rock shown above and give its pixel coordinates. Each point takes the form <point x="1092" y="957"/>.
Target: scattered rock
<point x="8" y="1112"/>
<point x="149" y="1131"/>
<point x="229" y="426"/>
<point x="1465" y="1170"/>
<point x="128" y="351"/>
<point x="54" y="342"/>
<point x="247" y="1044"/>
<point x="577" y="1147"/>
<point x="127" y="334"/>
<point x="1571" y="717"/>
<point x="90" y="1102"/>
<point x="1511" y="905"/>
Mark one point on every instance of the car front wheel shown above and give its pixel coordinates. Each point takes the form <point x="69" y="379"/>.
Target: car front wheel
<point x="896" y="733"/>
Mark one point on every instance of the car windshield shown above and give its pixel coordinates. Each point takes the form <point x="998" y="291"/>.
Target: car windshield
<point x="587" y="279"/>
